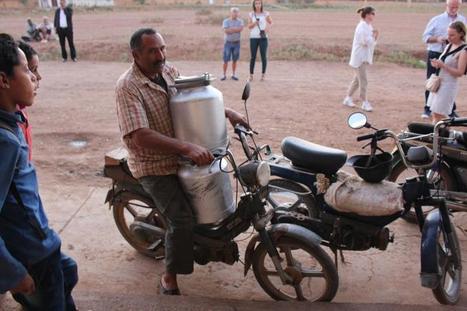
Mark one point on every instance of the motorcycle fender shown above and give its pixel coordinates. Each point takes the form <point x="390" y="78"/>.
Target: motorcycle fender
<point x="429" y="275"/>
<point x="278" y="231"/>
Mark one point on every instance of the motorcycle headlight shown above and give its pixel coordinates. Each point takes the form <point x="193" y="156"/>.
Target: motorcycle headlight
<point x="255" y="173"/>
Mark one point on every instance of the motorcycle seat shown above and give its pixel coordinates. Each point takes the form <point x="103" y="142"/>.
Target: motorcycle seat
<point x="314" y="157"/>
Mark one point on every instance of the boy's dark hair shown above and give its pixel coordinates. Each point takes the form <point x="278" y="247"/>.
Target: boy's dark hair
<point x="27" y="49"/>
<point x="9" y="56"/>
<point x="136" y="38"/>
<point x="5" y="36"/>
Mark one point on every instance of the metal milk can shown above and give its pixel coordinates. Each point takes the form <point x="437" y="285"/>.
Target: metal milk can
<point x="198" y="117"/>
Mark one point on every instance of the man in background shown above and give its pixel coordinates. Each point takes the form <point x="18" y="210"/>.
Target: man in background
<point x="233" y="27"/>
<point x="64" y="28"/>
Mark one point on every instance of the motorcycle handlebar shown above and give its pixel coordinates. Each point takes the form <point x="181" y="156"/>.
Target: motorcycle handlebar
<point x="458" y="121"/>
<point x="365" y="137"/>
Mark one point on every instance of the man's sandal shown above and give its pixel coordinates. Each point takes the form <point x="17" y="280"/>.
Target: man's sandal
<point x="165" y="291"/>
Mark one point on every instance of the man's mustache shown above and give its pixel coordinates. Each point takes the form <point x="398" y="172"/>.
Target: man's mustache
<point x="159" y="63"/>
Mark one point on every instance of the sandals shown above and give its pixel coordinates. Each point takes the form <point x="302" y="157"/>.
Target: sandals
<point x="170" y="292"/>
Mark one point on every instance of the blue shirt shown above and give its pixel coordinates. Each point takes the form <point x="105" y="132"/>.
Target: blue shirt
<point x="20" y="244"/>
<point x="438" y="27"/>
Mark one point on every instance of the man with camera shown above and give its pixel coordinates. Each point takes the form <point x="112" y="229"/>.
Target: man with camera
<point x="435" y="37"/>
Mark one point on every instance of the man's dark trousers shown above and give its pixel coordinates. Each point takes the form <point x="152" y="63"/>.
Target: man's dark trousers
<point x="66" y="33"/>
<point x="54" y="278"/>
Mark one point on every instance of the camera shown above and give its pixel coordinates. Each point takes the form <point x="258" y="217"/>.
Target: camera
<point x="257" y="19"/>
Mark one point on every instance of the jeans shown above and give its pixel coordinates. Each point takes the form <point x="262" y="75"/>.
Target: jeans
<point x="429" y="71"/>
<point x="262" y="43"/>
<point x="66" y="33"/>
<point x="54" y="278"/>
<point x="231" y="51"/>
<point x="169" y="197"/>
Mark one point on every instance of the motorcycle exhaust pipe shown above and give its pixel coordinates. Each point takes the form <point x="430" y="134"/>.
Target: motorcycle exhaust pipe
<point x="142" y="229"/>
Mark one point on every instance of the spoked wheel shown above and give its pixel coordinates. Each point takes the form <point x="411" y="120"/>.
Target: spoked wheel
<point x="443" y="180"/>
<point x="127" y="212"/>
<point x="280" y="198"/>
<point x="449" y="287"/>
<point x="314" y="276"/>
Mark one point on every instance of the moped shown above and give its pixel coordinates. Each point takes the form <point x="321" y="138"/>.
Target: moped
<point x="302" y="175"/>
<point x="448" y="174"/>
<point x="287" y="259"/>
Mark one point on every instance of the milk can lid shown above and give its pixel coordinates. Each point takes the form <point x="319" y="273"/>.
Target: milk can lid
<point x="193" y="81"/>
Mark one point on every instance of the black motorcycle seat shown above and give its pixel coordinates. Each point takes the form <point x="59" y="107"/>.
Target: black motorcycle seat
<point x="314" y="157"/>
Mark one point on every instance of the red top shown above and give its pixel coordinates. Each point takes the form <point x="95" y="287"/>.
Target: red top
<point x="26" y="128"/>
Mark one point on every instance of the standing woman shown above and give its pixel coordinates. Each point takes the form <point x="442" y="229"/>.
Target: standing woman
<point x="363" y="47"/>
<point x="258" y="22"/>
<point x="452" y="65"/>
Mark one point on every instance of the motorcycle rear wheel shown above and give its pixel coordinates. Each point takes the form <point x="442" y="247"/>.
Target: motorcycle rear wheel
<point x="306" y="263"/>
<point x="290" y="201"/>
<point x="444" y="180"/>
<point x="448" y="290"/>
<point x="126" y="211"/>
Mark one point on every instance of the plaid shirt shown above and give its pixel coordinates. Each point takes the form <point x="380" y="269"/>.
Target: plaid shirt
<point x="142" y="103"/>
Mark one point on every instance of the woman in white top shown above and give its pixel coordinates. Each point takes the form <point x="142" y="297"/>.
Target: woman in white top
<point x="363" y="47"/>
<point x="258" y="22"/>
<point x="453" y="67"/>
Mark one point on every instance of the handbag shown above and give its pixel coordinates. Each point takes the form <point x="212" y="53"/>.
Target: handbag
<point x="434" y="81"/>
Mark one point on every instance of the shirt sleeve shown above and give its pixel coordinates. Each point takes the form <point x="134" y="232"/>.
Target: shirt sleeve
<point x="365" y="36"/>
<point x="130" y="110"/>
<point x="429" y="30"/>
<point x="224" y="24"/>
<point x="11" y="270"/>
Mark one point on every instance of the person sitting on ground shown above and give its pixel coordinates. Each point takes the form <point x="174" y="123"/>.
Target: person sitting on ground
<point x="31" y="31"/>
<point x="32" y="267"/>
<point x="45" y="29"/>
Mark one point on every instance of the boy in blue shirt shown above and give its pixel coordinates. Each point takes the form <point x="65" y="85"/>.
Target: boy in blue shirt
<point x="32" y="267"/>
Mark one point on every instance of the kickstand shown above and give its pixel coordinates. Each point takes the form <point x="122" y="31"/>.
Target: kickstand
<point x="336" y="262"/>
<point x="341" y="252"/>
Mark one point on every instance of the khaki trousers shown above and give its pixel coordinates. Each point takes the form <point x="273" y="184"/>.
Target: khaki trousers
<point x="359" y="81"/>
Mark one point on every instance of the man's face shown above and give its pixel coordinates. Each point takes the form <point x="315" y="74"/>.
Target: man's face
<point x="20" y="87"/>
<point x="62" y="4"/>
<point x="151" y="56"/>
<point x="234" y="14"/>
<point x="452" y="7"/>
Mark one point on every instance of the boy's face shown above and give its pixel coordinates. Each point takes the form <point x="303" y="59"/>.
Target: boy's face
<point x="20" y="87"/>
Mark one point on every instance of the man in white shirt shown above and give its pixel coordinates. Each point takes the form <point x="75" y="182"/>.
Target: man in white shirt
<point x="64" y="28"/>
<point x="435" y="37"/>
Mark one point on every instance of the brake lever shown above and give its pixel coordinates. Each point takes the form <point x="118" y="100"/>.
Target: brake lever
<point x="366" y="145"/>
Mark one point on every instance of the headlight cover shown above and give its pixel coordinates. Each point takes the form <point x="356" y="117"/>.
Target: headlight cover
<point x="255" y="173"/>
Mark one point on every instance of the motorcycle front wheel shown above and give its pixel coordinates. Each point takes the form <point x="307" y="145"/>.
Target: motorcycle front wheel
<point x="314" y="275"/>
<point x="442" y="180"/>
<point x="448" y="290"/>
<point x="287" y="195"/>
<point x="126" y="211"/>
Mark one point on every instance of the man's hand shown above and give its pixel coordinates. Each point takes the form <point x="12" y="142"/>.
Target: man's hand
<point x="199" y="155"/>
<point x="236" y="118"/>
<point x="441" y="39"/>
<point x="26" y="286"/>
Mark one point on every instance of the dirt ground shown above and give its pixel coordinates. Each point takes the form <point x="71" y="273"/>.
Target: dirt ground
<point x="76" y="103"/>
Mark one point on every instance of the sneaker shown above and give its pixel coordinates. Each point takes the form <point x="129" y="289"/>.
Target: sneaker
<point x="74" y="60"/>
<point x="348" y="102"/>
<point x="234" y="78"/>
<point x="223" y="78"/>
<point x="63" y="60"/>
<point x="425" y="115"/>
<point x="367" y="106"/>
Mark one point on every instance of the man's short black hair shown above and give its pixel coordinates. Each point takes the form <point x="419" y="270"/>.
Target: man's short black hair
<point x="27" y="49"/>
<point x="136" y="38"/>
<point x="5" y="36"/>
<point x="9" y="56"/>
